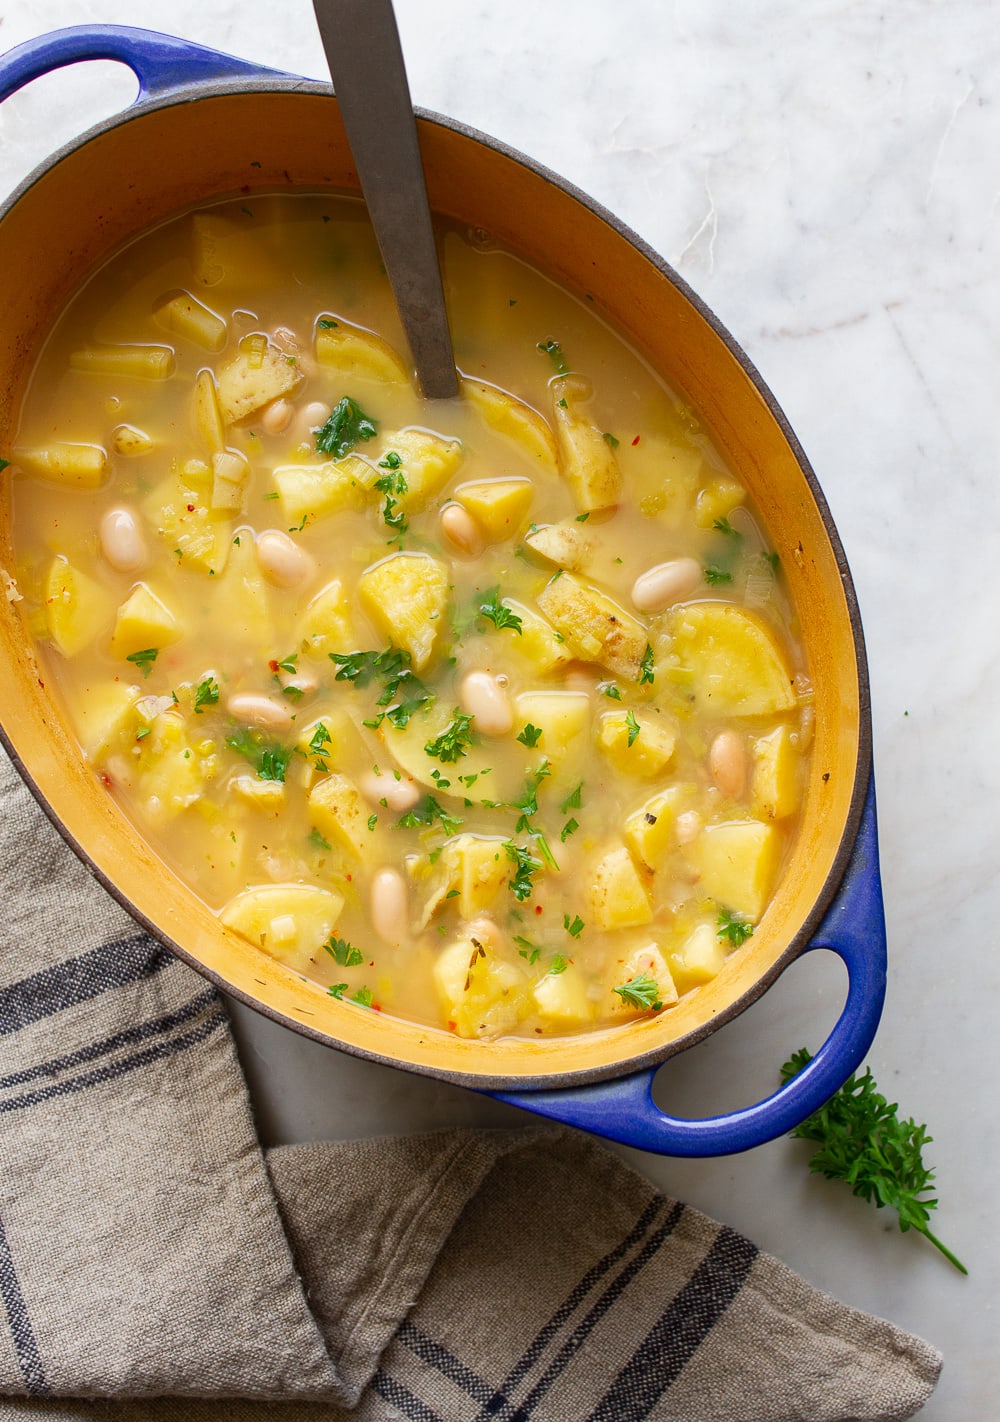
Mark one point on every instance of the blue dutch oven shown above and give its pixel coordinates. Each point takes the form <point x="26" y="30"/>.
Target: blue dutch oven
<point x="206" y="126"/>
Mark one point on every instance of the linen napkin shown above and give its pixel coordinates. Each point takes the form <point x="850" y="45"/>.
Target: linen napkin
<point x="155" y="1264"/>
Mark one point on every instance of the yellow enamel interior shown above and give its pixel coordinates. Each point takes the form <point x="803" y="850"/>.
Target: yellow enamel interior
<point x="166" y="159"/>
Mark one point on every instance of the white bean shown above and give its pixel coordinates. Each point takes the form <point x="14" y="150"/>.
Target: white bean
<point x="277" y="416"/>
<point x="399" y="795"/>
<point x="483" y="697"/>
<point x="390" y="906"/>
<point x="658" y="587"/>
<point x="267" y="712"/>
<point x="461" y="530"/>
<point x="727" y="760"/>
<point x="311" y="417"/>
<point x="687" y="826"/>
<point x="122" y="541"/>
<point x="281" y="559"/>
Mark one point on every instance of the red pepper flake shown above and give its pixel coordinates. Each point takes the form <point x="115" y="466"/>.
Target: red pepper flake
<point x="538" y="908"/>
<point x="190" y="508"/>
<point x="452" y="1026"/>
<point x="636" y="440"/>
<point x="105" y="779"/>
<point x="273" y="666"/>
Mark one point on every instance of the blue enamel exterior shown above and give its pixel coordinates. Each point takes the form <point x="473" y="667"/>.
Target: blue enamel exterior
<point x="624" y="1110"/>
<point x="854" y="926"/>
<point x="161" y="63"/>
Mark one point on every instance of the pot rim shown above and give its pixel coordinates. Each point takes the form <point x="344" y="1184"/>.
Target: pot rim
<point x="656" y="1056"/>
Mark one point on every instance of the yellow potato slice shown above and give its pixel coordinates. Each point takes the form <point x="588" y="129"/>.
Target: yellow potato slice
<point x="76" y="607"/>
<point x="291" y="922"/>
<point x="736" y="664"/>
<point x="406" y="596"/>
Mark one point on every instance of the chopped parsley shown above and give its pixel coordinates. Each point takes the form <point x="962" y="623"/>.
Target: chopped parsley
<point x="372" y="822"/>
<point x="454" y="741"/>
<point x="554" y="351"/>
<point x="346" y="427"/>
<point x="500" y="615"/>
<point x="575" y="928"/>
<point x="206" y="693"/>
<point x="715" y="576"/>
<point x="402" y="692"/>
<point x="643" y="992"/>
<point x="573" y="800"/>
<point x="393" y="485"/>
<point x="426" y="813"/>
<point x="325" y="324"/>
<point x="646" y="669"/>
<point x="558" y="965"/>
<point x="611" y="691"/>
<point x="144" y="659"/>
<point x="528" y="803"/>
<point x="570" y="827"/>
<point x="318" y="842"/>
<point x="530" y="736"/>
<point x="612" y="440"/>
<point x="633" y="728"/>
<point x="582" y="518"/>
<point x="525" y="867"/>
<point x="269" y="758"/>
<point x="528" y="950"/>
<point x="4" y="464"/>
<point x="318" y="743"/>
<point x="345" y="953"/>
<point x="722" y="525"/>
<point x="734" y="928"/>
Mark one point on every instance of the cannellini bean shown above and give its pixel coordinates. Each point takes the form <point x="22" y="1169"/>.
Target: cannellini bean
<point x="267" y="712"/>
<point x="399" y="795"/>
<point x="727" y="760"/>
<point x="311" y="417"/>
<point x="687" y="826"/>
<point x="461" y="530"/>
<point x="122" y="541"/>
<point x="277" y="416"/>
<point x="281" y="559"/>
<point x="483" y="697"/>
<point x="658" y="587"/>
<point x="390" y="906"/>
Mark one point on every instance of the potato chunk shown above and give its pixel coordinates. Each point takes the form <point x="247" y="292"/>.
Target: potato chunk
<point x="260" y="372"/>
<point x="736" y="863"/>
<point x="775" y="782"/>
<point x="700" y="957"/>
<point x="339" y="813"/>
<point x="353" y="351"/>
<point x="107" y="719"/>
<point x="652" y="742"/>
<point x="184" y="315"/>
<point x="517" y="421"/>
<point x="472" y="869"/>
<point x="315" y="490"/>
<point x="325" y="625"/>
<point x="180" y="510"/>
<point x="643" y="963"/>
<point x="617" y="893"/>
<point x="498" y="505"/>
<point x="406" y="596"/>
<point x="143" y="620"/>
<point x="207" y="414"/>
<point x="561" y="544"/>
<point x="428" y="462"/>
<point x="483" y="995"/>
<point x="77" y="608"/>
<point x="290" y="922"/>
<point x="586" y="459"/>
<point x="649" y="830"/>
<point x="596" y="629"/>
<point x="171" y="771"/>
<point x="561" y="1000"/>
<point x="736" y="665"/>
<point x="138" y="362"/>
<point x="81" y="466"/>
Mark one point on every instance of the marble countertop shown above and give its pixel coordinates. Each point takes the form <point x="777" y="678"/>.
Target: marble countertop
<point x="825" y="176"/>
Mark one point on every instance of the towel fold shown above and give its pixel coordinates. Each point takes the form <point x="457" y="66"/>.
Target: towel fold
<point x="155" y="1264"/>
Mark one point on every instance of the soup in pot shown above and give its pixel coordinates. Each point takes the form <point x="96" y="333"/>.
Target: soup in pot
<point x="489" y="713"/>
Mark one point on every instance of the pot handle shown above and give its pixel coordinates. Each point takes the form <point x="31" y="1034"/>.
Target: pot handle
<point x="159" y="62"/>
<point x="623" y="1110"/>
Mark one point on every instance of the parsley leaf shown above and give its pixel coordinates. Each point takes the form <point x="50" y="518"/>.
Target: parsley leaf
<point x="863" y="1142"/>
<point x="500" y="615"/>
<point x="270" y="759"/>
<point x="612" y="692"/>
<point x="612" y="440"/>
<point x="646" y="668"/>
<point x="347" y="425"/>
<point x="325" y="324"/>
<point x="643" y="992"/>
<point x="144" y="659"/>
<point x="318" y="743"/>
<point x="734" y="927"/>
<point x="454" y="741"/>
<point x="206" y="693"/>
<point x="345" y="953"/>
<point x="575" y="928"/>
<point x="393" y="485"/>
<point x="570" y="827"/>
<point x="525" y="866"/>
<point x="426" y="813"/>
<point x="573" y="800"/>
<point x="633" y="728"/>
<point x="401" y="686"/>
<point x="4" y="464"/>
<point x="528" y="950"/>
<point x="722" y="525"/>
<point x="715" y="576"/>
<point x="554" y="351"/>
<point x="318" y="842"/>
<point x="528" y="803"/>
<point x="530" y="736"/>
<point x="558" y="965"/>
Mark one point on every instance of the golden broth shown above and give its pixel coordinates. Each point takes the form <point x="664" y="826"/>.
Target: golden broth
<point x="494" y="719"/>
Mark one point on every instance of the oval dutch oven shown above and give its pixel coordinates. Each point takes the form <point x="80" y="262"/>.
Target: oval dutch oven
<point x="205" y="125"/>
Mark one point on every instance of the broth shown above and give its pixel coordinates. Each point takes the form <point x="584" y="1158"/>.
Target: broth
<point x="487" y="713"/>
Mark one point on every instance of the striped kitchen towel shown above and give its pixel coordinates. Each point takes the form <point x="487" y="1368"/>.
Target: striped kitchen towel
<point x="155" y="1264"/>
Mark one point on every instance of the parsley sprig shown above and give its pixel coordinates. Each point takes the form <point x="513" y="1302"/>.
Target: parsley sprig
<point x="526" y="866"/>
<point x="498" y="613"/>
<point x="269" y="758"/>
<point x="863" y="1142"/>
<point x="426" y="813"/>
<point x="346" y="427"/>
<point x="402" y="691"/>
<point x="454" y="741"/>
<point x="734" y="928"/>
<point x="343" y="952"/>
<point x="393" y="485"/>
<point x="642" y="992"/>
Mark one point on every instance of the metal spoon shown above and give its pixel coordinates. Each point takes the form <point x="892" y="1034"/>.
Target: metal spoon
<point x="369" y="79"/>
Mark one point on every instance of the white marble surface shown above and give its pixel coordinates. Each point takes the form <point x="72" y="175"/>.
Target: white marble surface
<point x="826" y="176"/>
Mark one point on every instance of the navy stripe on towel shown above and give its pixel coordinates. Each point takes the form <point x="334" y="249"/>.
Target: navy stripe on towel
<point x="79" y="979"/>
<point x="25" y="1346"/>
<point x="114" y="1069"/>
<point x="680" y="1331"/>
<point x="393" y="1391"/>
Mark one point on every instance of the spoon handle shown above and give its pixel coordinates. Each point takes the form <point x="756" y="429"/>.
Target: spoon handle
<point x="369" y="79"/>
